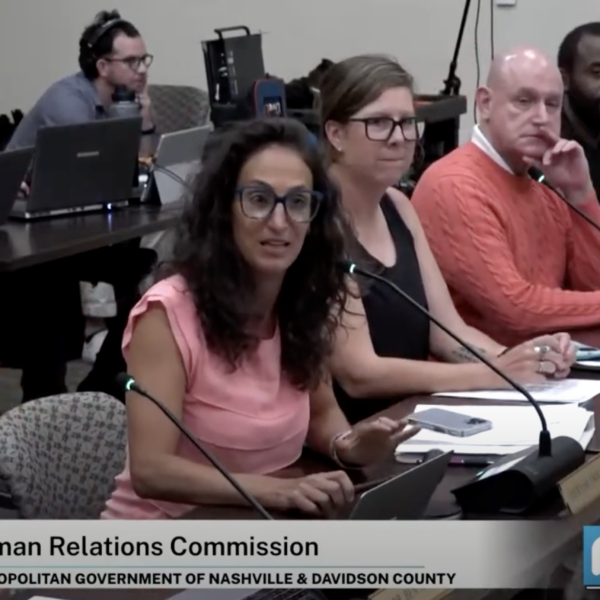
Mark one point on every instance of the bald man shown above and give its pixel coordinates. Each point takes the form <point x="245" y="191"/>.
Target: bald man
<point x="519" y="262"/>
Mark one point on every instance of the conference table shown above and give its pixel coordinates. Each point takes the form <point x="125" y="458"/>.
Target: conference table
<point x="456" y="475"/>
<point x="28" y="244"/>
<point x="562" y="548"/>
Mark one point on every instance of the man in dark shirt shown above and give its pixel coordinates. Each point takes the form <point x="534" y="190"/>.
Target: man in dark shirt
<point x="579" y="62"/>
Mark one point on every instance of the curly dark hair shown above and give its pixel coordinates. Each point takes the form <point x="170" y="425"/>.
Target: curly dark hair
<point x="314" y="290"/>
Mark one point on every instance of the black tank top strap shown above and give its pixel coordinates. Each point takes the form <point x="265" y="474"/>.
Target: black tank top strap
<point x="397" y="329"/>
<point x="394" y="221"/>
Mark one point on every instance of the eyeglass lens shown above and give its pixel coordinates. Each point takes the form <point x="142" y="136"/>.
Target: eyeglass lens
<point x="135" y="62"/>
<point x="258" y="202"/>
<point x="382" y="128"/>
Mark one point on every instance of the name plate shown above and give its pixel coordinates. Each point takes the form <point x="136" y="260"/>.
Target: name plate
<point x="409" y="594"/>
<point x="581" y="488"/>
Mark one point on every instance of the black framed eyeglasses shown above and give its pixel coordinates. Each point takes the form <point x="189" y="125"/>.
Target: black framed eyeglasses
<point x="259" y="202"/>
<point x="134" y="62"/>
<point x="381" y="129"/>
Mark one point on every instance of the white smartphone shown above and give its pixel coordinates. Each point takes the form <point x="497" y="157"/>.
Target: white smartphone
<point x="449" y="422"/>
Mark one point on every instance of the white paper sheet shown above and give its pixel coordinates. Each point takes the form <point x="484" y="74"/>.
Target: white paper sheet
<point x="558" y="392"/>
<point x="514" y="428"/>
<point x="417" y="450"/>
<point x="588" y="364"/>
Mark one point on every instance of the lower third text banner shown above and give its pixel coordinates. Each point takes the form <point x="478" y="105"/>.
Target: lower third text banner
<point x="277" y="554"/>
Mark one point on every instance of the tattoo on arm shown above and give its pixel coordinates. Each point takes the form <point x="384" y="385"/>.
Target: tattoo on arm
<point x="462" y="355"/>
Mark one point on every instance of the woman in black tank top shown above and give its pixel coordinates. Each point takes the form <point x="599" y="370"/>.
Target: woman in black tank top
<point x="383" y="351"/>
<point x="396" y="330"/>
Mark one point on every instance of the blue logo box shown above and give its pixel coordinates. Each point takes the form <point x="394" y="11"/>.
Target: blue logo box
<point x="591" y="556"/>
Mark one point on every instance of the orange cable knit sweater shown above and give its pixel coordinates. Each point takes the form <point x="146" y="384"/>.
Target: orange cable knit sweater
<point x="517" y="260"/>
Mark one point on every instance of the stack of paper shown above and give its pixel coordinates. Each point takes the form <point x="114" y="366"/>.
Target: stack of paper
<point x="564" y="391"/>
<point x="590" y="365"/>
<point x="514" y="428"/>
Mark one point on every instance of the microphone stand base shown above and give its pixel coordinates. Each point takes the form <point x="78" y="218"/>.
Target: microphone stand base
<point x="517" y="482"/>
<point x="443" y="509"/>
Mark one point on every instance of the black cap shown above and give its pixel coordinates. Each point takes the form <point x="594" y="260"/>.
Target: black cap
<point x="123" y="94"/>
<point x="123" y="380"/>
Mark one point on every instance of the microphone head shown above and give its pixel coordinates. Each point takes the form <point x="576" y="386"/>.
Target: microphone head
<point x="536" y="174"/>
<point x="123" y="380"/>
<point x="122" y="93"/>
<point x="347" y="266"/>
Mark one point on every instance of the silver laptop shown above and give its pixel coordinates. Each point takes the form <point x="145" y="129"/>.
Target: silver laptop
<point x="14" y="165"/>
<point x="82" y="167"/>
<point x="405" y="497"/>
<point x="178" y="160"/>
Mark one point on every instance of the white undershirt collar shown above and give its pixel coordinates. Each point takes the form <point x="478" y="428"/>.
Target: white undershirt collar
<point x="483" y="144"/>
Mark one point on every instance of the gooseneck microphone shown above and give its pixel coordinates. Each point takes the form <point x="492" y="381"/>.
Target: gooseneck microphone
<point x="513" y="483"/>
<point x="541" y="178"/>
<point x="545" y="445"/>
<point x="129" y="385"/>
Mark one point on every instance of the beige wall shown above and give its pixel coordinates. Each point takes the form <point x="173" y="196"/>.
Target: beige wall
<point x="39" y="38"/>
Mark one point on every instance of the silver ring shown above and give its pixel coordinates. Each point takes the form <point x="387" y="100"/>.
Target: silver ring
<point x="546" y="371"/>
<point x="541" y="349"/>
<point x="540" y="368"/>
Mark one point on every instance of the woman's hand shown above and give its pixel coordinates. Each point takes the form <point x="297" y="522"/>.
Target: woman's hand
<point x="321" y="494"/>
<point x="372" y="441"/>
<point x="536" y="360"/>
<point x="567" y="349"/>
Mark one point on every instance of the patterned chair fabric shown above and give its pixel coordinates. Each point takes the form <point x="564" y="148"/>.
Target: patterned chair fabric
<point x="59" y="455"/>
<point x="178" y="107"/>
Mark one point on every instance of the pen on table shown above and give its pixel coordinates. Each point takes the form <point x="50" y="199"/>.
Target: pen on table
<point x="360" y="488"/>
<point x="365" y="486"/>
<point x="466" y="461"/>
<point x="471" y="462"/>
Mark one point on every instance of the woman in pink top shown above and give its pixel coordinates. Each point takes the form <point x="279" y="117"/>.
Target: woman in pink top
<point x="235" y="340"/>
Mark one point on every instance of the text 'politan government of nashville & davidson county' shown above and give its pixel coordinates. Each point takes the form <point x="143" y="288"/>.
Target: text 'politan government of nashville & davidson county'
<point x="91" y="578"/>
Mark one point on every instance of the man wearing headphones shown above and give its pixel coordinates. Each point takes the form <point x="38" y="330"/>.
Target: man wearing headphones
<point x="111" y="53"/>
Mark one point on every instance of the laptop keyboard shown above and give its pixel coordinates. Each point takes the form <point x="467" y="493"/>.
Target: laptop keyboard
<point x="286" y="595"/>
